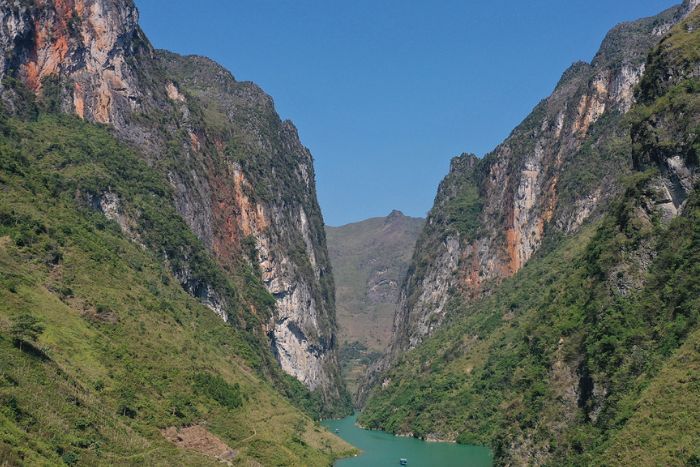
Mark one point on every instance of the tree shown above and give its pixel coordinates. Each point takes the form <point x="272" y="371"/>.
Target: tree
<point x="26" y="329"/>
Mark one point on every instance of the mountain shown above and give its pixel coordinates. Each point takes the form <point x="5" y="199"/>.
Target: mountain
<point x="241" y="178"/>
<point x="556" y="171"/>
<point x="550" y="309"/>
<point x="369" y="259"/>
<point x="129" y="359"/>
<point x="160" y="222"/>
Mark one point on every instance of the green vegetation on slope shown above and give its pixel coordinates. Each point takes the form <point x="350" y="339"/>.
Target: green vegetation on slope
<point x="125" y="351"/>
<point x="664" y="428"/>
<point x="563" y="369"/>
<point x="588" y="356"/>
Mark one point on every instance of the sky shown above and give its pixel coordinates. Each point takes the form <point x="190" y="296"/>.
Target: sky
<point x="385" y="92"/>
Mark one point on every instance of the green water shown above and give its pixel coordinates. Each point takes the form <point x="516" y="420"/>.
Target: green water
<point x="382" y="449"/>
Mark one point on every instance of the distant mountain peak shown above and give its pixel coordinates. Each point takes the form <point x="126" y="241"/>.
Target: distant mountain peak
<point x="395" y="214"/>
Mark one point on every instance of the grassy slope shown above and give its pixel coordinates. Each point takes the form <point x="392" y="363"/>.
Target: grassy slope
<point x="589" y="354"/>
<point x="664" y="428"/>
<point x="123" y="341"/>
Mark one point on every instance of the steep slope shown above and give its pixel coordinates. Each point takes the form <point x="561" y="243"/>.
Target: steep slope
<point x="241" y="179"/>
<point x="587" y="355"/>
<point x="91" y="246"/>
<point x="558" y="169"/>
<point x="369" y="259"/>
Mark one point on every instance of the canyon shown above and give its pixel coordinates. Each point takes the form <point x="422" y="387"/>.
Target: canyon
<point x="170" y="293"/>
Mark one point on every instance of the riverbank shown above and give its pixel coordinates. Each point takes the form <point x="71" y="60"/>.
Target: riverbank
<point x="378" y="448"/>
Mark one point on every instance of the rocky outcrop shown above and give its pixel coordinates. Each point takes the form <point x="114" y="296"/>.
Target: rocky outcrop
<point x="558" y="168"/>
<point x="91" y="42"/>
<point x="241" y="178"/>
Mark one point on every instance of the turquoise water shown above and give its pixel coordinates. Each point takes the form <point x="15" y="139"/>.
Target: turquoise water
<point x="380" y="449"/>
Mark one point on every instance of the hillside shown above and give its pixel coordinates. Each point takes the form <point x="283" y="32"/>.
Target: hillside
<point x="557" y="170"/>
<point x="369" y="260"/>
<point x="126" y="351"/>
<point x="166" y="294"/>
<point x="583" y="349"/>
<point x="240" y="177"/>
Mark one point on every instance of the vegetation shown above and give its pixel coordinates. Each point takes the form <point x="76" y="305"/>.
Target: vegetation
<point x="126" y="350"/>
<point x="355" y="358"/>
<point x="464" y="211"/>
<point x="25" y="329"/>
<point x="218" y="389"/>
<point x="506" y="368"/>
<point x="462" y="203"/>
<point x="589" y="355"/>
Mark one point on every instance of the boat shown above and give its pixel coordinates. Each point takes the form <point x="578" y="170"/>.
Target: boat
<point x="403" y="461"/>
<point x="337" y="430"/>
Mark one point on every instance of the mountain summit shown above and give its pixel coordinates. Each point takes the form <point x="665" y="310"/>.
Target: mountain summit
<point x="370" y="259"/>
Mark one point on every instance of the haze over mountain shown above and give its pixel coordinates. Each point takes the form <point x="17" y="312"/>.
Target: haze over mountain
<point x="370" y="259"/>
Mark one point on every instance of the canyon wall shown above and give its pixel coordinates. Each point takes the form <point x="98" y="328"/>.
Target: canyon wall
<point x="240" y="176"/>
<point x="556" y="170"/>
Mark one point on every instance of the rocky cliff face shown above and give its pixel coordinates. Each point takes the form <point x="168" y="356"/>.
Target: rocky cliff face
<point x="555" y="171"/>
<point x="91" y="42"/>
<point x="587" y="355"/>
<point x="266" y="202"/>
<point x="241" y="178"/>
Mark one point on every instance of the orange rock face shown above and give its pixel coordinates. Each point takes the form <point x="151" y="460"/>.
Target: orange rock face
<point x="512" y="242"/>
<point x="79" y="101"/>
<point x="51" y="39"/>
<point x="63" y="33"/>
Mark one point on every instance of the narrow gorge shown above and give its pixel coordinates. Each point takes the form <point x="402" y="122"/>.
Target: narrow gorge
<point x="170" y="293"/>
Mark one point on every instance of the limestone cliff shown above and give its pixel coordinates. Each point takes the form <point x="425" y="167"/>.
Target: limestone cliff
<point x="556" y="170"/>
<point x="241" y="178"/>
<point x="588" y="354"/>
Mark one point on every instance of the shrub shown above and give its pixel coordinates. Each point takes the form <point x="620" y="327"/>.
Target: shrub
<point x="218" y="389"/>
<point x="26" y="329"/>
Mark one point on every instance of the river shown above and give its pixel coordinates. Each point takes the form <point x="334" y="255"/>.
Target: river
<point x="380" y="449"/>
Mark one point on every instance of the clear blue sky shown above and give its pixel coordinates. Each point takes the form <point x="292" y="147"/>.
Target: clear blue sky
<point x="385" y="92"/>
